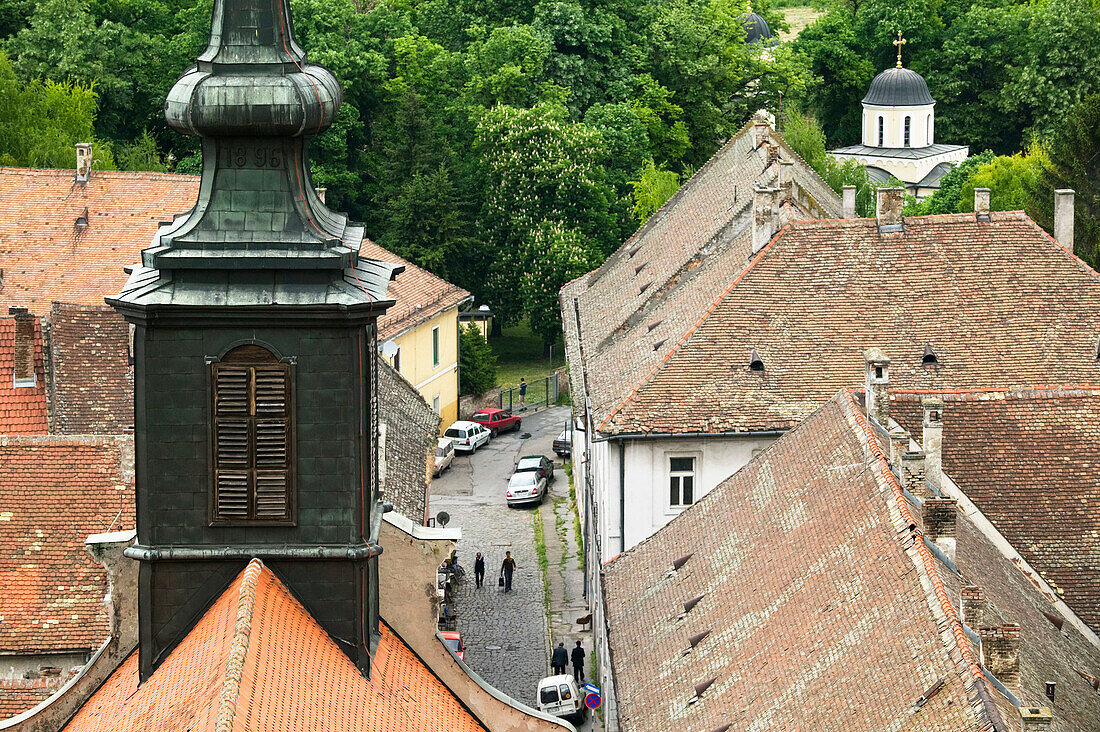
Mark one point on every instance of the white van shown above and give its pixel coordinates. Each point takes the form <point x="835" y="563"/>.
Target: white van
<point x="467" y="436"/>
<point x="559" y="695"/>
<point x="444" y="455"/>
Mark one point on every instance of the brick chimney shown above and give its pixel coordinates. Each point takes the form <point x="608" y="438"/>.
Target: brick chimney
<point x="981" y="204"/>
<point x="912" y="473"/>
<point x="932" y="439"/>
<point x="1063" y="217"/>
<point x="972" y="605"/>
<point x="23" y="373"/>
<point x="888" y="210"/>
<point x="876" y="384"/>
<point x="938" y="516"/>
<point x="760" y="130"/>
<point x="1001" y="653"/>
<point x="849" y="202"/>
<point x="771" y="155"/>
<point x="765" y="216"/>
<point x="1036" y="719"/>
<point x="899" y="445"/>
<point x="786" y="179"/>
<point x="83" y="161"/>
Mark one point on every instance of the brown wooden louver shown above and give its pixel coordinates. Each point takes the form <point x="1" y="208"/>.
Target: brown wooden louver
<point x="252" y="438"/>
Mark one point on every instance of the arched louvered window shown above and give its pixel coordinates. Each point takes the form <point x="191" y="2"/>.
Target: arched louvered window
<point x="881" y="132"/>
<point x="252" y="439"/>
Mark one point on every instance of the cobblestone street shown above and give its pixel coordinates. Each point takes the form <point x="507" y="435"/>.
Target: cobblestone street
<point x="506" y="635"/>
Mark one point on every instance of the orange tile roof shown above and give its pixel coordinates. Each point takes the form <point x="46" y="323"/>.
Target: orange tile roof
<point x="38" y="234"/>
<point x="54" y="492"/>
<point x="258" y="661"/>
<point x="22" y="409"/>
<point x="19" y="695"/>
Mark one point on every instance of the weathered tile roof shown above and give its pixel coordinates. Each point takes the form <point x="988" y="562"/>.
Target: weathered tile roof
<point x="636" y="306"/>
<point x="823" y="608"/>
<point x="22" y="409"/>
<point x="258" y="661"/>
<point x="1029" y="460"/>
<point x="38" y="213"/>
<point x="19" y="695"/>
<point x="1000" y="303"/>
<point x="54" y="492"/>
<point x="411" y="431"/>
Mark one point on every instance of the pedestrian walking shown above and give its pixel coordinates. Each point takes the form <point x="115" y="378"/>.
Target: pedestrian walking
<point x="578" y="663"/>
<point x="479" y="569"/>
<point x="507" y="567"/>
<point x="559" y="658"/>
<point x="522" y="392"/>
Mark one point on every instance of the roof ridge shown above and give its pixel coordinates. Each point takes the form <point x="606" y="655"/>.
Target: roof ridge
<point x="865" y="432"/>
<point x="691" y="331"/>
<point x="1021" y="391"/>
<point x="238" y="647"/>
<point x="132" y="174"/>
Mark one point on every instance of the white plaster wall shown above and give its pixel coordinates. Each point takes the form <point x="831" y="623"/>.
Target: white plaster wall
<point x="921" y="134"/>
<point x="908" y="170"/>
<point x="646" y="476"/>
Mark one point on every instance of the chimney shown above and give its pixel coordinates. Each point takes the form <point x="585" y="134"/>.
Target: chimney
<point x="23" y="373"/>
<point x="876" y="385"/>
<point x="981" y="204"/>
<point x="760" y="130"/>
<point x="899" y="445"/>
<point x="1001" y="653"/>
<point x="932" y="440"/>
<point x="1035" y="719"/>
<point x="972" y="606"/>
<point x="888" y="210"/>
<point x="849" y="205"/>
<point x="938" y="516"/>
<point x="1063" y="217"/>
<point x="83" y="161"/>
<point x="765" y="216"/>
<point x="786" y="178"/>
<point x="122" y="584"/>
<point x="321" y="193"/>
<point x="912" y="473"/>
<point x="771" y="154"/>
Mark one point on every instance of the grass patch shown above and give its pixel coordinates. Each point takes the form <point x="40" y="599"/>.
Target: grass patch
<point x="559" y="527"/>
<point x="578" y="536"/>
<point x="540" y="554"/>
<point x="519" y="355"/>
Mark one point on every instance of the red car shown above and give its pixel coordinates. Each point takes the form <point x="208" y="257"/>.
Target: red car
<point x="496" y="420"/>
<point x="454" y="641"/>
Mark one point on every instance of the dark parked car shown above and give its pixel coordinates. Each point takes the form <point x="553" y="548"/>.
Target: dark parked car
<point x="563" y="446"/>
<point x="538" y="464"/>
<point x="496" y="420"/>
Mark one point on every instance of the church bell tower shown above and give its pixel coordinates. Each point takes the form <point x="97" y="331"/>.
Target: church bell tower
<point x="254" y="354"/>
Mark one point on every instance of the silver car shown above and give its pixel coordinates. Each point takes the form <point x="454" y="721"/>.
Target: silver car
<point x="526" y="487"/>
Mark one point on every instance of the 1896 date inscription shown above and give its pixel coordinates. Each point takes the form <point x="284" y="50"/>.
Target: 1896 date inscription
<point x="252" y="156"/>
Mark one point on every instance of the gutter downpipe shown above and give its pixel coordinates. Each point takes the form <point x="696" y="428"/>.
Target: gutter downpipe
<point x="622" y="496"/>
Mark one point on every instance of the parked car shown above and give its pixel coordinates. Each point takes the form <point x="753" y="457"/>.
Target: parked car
<point x="526" y="487"/>
<point x="467" y="436"/>
<point x="444" y="455"/>
<point x="453" y="639"/>
<point x="559" y="695"/>
<point x="563" y="446"/>
<point x="540" y="464"/>
<point x="496" y="420"/>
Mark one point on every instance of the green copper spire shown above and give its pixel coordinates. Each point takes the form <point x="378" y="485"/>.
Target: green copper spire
<point x="253" y="100"/>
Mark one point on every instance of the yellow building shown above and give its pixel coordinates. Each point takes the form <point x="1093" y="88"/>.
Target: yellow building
<point x="419" y="334"/>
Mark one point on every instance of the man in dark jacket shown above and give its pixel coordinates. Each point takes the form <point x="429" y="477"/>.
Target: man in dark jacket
<point x="578" y="663"/>
<point x="479" y="569"/>
<point x="559" y="659"/>
<point x="507" y="567"/>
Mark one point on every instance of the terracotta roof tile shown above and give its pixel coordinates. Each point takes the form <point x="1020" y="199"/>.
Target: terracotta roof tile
<point x="1000" y="302"/>
<point x="38" y="212"/>
<point x="258" y="661"/>
<point x="23" y="408"/>
<point x="54" y="492"/>
<point x="1028" y="459"/>
<point x="19" y="695"/>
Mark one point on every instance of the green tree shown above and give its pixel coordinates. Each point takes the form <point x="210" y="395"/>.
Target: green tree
<point x="948" y="198"/>
<point x="141" y="155"/>
<point x="477" y="364"/>
<point x="1009" y="178"/>
<point x="837" y="59"/>
<point x="653" y="187"/>
<point x="556" y="255"/>
<point x="1072" y="160"/>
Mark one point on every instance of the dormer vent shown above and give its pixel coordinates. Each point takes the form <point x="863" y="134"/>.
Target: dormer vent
<point x="755" y="362"/>
<point x="82" y="220"/>
<point x="697" y="638"/>
<point x="929" y="358"/>
<point x="677" y="563"/>
<point x="723" y="728"/>
<point x="651" y="326"/>
<point x="690" y="604"/>
<point x="658" y="344"/>
<point x="644" y="287"/>
<point x="640" y="267"/>
<point x="704" y="685"/>
<point x="1055" y="620"/>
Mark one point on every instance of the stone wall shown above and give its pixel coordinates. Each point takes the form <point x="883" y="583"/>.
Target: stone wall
<point x="411" y="430"/>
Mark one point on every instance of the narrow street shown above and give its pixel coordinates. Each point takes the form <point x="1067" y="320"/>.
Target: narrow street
<point x="508" y="636"/>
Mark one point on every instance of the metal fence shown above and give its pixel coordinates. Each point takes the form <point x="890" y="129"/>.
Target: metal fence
<point x="540" y="393"/>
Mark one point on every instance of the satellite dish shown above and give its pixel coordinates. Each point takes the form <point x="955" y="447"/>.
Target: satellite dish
<point x="442" y="518"/>
<point x="389" y="349"/>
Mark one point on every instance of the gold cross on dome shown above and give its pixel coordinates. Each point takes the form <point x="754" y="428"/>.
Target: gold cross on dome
<point x="899" y="43"/>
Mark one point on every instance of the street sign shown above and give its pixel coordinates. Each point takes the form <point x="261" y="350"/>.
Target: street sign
<point x="592" y="701"/>
<point x="591" y="689"/>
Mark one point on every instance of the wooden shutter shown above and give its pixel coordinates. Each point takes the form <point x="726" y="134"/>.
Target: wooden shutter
<point x="252" y="436"/>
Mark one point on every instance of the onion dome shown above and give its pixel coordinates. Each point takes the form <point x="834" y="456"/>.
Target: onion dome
<point x="898" y="87"/>
<point x="757" y="30"/>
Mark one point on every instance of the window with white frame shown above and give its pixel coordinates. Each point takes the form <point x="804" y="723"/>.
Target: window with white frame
<point x="681" y="481"/>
